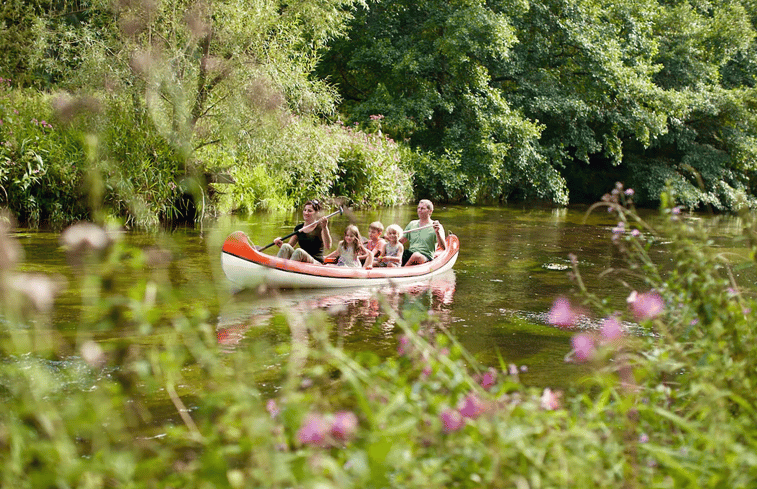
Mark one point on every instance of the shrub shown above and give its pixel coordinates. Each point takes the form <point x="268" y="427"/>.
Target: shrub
<point x="281" y="167"/>
<point x="41" y="163"/>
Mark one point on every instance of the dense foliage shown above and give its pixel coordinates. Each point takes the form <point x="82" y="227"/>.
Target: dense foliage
<point x="670" y="402"/>
<point x="535" y="99"/>
<point x="158" y="102"/>
<point x="540" y="100"/>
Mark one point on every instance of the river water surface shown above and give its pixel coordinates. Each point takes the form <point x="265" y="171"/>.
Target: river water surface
<point x="514" y="261"/>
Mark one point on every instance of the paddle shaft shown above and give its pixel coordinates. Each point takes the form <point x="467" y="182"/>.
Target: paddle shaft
<point x="340" y="211"/>
<point x="418" y="229"/>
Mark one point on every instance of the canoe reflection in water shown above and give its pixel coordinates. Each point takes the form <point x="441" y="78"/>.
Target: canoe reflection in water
<point x="357" y="314"/>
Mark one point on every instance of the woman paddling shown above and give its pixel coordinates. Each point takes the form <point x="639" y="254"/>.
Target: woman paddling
<point x="313" y="236"/>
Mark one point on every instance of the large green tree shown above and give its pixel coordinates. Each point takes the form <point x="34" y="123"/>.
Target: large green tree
<point x="526" y="99"/>
<point x="426" y="68"/>
<point x="184" y="87"/>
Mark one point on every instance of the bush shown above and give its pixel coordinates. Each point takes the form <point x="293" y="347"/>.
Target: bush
<point x="281" y="167"/>
<point x="41" y="163"/>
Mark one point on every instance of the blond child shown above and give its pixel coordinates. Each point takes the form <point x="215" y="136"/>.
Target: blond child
<point x="391" y="253"/>
<point x="350" y="249"/>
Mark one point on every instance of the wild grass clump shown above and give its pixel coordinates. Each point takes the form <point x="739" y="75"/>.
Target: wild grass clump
<point x="65" y="159"/>
<point x="670" y="402"/>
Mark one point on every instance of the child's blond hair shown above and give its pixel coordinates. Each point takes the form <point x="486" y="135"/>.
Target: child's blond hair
<point x="396" y="227"/>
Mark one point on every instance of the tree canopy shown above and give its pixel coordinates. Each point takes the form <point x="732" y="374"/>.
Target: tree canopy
<point x="558" y="99"/>
<point x="538" y="100"/>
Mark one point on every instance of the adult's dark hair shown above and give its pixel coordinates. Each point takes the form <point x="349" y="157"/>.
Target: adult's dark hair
<point x="314" y="203"/>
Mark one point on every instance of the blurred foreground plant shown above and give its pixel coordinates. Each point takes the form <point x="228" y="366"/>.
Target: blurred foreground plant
<point x="170" y="407"/>
<point x="682" y="385"/>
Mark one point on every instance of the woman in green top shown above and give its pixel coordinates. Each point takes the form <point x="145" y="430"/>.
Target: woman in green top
<point x="420" y="245"/>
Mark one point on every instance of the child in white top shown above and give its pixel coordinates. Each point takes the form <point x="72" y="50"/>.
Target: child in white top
<point x="350" y="249"/>
<point x="391" y="253"/>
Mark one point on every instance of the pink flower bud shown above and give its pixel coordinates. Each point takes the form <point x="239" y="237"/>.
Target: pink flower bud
<point x="488" y="379"/>
<point x="452" y="420"/>
<point x="611" y="330"/>
<point x="471" y="407"/>
<point x="645" y="306"/>
<point x="344" y="426"/>
<point x="403" y="347"/>
<point x="562" y="314"/>
<point x="313" y="430"/>
<point x="272" y="408"/>
<point x="583" y="347"/>
<point x="549" y="400"/>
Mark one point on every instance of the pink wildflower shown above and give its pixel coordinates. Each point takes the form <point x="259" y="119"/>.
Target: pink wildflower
<point x="471" y="407"/>
<point x="583" y="347"/>
<point x="562" y="314"/>
<point x="629" y="192"/>
<point x="403" y="348"/>
<point x="344" y="425"/>
<point x="645" y="306"/>
<point x="610" y="329"/>
<point x="427" y="371"/>
<point x="549" y="400"/>
<point x="620" y="228"/>
<point x="488" y="379"/>
<point x="452" y="420"/>
<point x="272" y="408"/>
<point x="313" y="430"/>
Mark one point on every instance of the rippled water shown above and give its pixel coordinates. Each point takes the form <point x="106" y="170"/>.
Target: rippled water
<point x="513" y="263"/>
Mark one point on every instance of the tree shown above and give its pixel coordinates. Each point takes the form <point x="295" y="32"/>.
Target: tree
<point x="426" y="67"/>
<point x="177" y="77"/>
<point x="526" y="99"/>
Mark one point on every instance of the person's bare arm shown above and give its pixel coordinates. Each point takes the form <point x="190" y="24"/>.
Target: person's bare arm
<point x="440" y="240"/>
<point x="326" y="234"/>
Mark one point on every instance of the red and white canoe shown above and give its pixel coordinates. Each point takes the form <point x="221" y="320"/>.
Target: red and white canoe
<point x="247" y="267"/>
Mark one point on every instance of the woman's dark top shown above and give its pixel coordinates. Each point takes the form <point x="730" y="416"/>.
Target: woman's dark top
<point x="311" y="242"/>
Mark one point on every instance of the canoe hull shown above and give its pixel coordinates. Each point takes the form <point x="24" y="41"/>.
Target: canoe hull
<point x="246" y="267"/>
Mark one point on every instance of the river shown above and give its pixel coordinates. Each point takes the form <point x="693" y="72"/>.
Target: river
<point x="514" y="261"/>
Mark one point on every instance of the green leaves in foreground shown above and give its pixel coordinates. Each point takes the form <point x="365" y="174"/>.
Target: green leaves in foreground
<point x="172" y="407"/>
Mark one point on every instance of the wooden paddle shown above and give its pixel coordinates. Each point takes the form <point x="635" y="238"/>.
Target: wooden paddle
<point x="340" y="211"/>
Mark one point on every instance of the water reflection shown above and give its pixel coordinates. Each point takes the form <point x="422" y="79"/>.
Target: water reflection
<point x="358" y="315"/>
